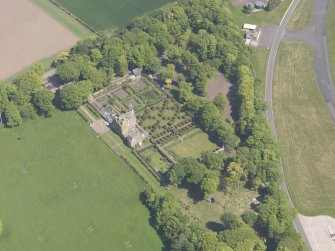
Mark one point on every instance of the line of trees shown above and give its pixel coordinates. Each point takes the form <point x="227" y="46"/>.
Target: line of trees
<point x="25" y="98"/>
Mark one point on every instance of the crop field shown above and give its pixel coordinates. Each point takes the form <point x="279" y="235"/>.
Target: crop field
<point x="104" y="14"/>
<point x="302" y="16"/>
<point x="64" y="189"/>
<point x="306" y="131"/>
<point x="28" y="35"/>
<point x="192" y="145"/>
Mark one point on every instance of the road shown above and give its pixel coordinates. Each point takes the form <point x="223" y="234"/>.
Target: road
<point x="268" y="98"/>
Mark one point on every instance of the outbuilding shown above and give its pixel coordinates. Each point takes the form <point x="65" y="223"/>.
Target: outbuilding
<point x="250" y="27"/>
<point x="260" y="5"/>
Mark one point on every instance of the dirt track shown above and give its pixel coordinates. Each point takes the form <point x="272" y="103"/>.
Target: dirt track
<point x="28" y="35"/>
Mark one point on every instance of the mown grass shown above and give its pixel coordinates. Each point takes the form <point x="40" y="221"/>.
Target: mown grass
<point x="192" y="146"/>
<point x="106" y="14"/>
<point x="63" y="189"/>
<point x="306" y="131"/>
<point x="302" y="16"/>
<point x="260" y="18"/>
<point x="331" y="35"/>
<point x="64" y="19"/>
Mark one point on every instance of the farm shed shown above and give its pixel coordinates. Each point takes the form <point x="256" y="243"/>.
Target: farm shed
<point x="249" y="27"/>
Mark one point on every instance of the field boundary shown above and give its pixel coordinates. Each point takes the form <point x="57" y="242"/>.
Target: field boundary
<point x="74" y="16"/>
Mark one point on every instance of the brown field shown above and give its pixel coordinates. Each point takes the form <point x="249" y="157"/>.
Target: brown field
<point x="28" y="35"/>
<point x="217" y="84"/>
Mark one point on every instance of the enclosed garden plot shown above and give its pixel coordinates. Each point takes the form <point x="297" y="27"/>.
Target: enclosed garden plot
<point x="165" y="121"/>
<point x="191" y="145"/>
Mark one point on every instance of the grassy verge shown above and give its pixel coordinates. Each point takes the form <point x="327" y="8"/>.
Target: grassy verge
<point x="260" y="18"/>
<point x="331" y="35"/>
<point x="302" y="16"/>
<point x="64" y="19"/>
<point x="306" y="131"/>
<point x="78" y="194"/>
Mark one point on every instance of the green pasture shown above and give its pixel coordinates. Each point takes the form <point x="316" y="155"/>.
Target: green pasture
<point x="105" y="14"/>
<point x="306" y="131"/>
<point x="64" y="189"/>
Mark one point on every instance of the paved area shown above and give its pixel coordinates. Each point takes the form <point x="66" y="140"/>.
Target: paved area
<point x="318" y="230"/>
<point x="267" y="36"/>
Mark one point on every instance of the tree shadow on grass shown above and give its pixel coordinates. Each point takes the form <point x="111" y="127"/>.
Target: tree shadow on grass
<point x="193" y="191"/>
<point x="214" y="226"/>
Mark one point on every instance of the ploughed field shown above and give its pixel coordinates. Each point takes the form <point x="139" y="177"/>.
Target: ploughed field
<point x="64" y="189"/>
<point x="27" y="35"/>
<point x="306" y="131"/>
<point x="104" y="14"/>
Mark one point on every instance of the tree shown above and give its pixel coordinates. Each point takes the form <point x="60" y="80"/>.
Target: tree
<point x="1" y="227"/>
<point x="230" y="221"/>
<point x="249" y="217"/>
<point x="220" y="101"/>
<point x="3" y="98"/>
<point x="74" y="95"/>
<point x="213" y="161"/>
<point x="185" y="91"/>
<point x="95" y="55"/>
<point x="121" y="67"/>
<point x="208" y="186"/>
<point x="12" y="115"/>
<point x="43" y="102"/>
<point x="27" y="111"/>
<point x="233" y="175"/>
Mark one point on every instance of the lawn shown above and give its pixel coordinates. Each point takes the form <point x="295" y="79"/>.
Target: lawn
<point x="302" y="16"/>
<point x="156" y="160"/>
<point x="105" y="14"/>
<point x="64" y="19"/>
<point x="192" y="146"/>
<point x="306" y="131"/>
<point x="260" y="18"/>
<point x="63" y="189"/>
<point x="331" y="35"/>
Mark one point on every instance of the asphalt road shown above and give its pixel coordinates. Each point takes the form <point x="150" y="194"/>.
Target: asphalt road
<point x="268" y="98"/>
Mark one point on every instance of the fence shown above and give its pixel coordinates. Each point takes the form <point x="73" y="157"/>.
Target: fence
<point x="73" y="16"/>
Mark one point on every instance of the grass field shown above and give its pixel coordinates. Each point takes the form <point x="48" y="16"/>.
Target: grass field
<point x="104" y="14"/>
<point x="306" y="131"/>
<point x="331" y="35"/>
<point x="260" y="18"/>
<point x="64" y="19"/>
<point x="63" y="189"/>
<point x="302" y="16"/>
<point x="192" y="146"/>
